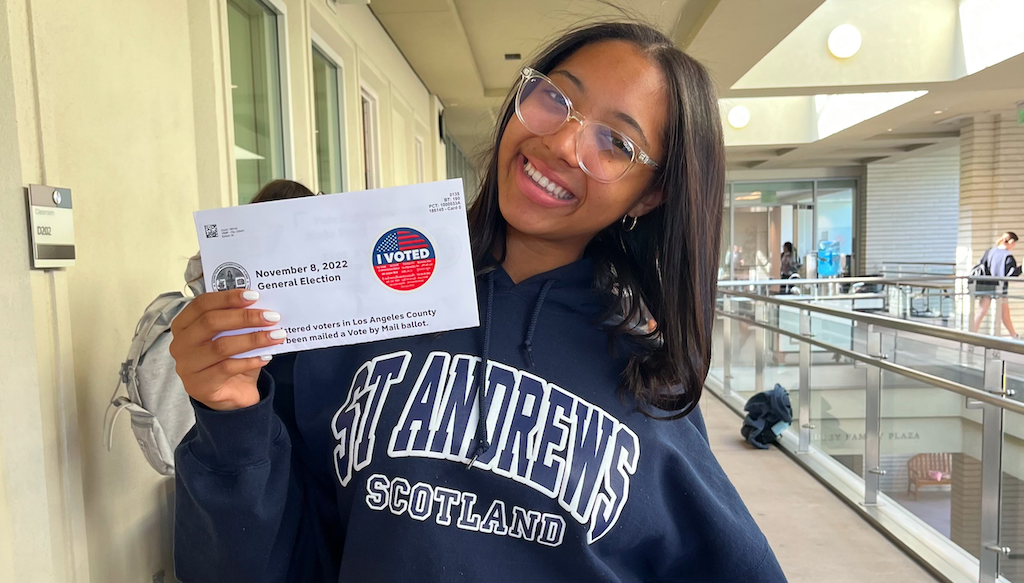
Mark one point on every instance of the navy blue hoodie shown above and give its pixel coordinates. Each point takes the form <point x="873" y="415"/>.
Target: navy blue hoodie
<point x="353" y="466"/>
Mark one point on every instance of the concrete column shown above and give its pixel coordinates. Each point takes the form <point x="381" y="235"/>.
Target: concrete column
<point x="30" y="539"/>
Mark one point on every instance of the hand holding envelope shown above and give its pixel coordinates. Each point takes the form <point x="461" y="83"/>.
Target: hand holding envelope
<point x="207" y="367"/>
<point x="347" y="268"/>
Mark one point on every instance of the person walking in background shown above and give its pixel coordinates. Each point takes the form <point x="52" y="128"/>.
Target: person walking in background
<point x="999" y="263"/>
<point x="789" y="266"/>
<point x="738" y="260"/>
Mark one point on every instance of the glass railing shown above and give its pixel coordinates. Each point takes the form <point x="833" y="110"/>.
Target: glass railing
<point x="919" y="294"/>
<point x="919" y="426"/>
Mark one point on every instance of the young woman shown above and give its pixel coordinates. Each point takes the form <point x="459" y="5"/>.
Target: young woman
<point x="589" y="462"/>
<point x="1000" y="264"/>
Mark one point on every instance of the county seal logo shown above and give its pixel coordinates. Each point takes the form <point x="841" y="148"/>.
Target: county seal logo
<point x="403" y="259"/>
<point x="230" y="276"/>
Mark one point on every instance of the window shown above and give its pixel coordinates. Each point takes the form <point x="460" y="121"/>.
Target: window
<point x="765" y="216"/>
<point x="370" y="133"/>
<point x="459" y="166"/>
<point x="762" y="216"/>
<point x="835" y="213"/>
<point x="327" y="115"/>
<point x="420" y="162"/>
<point x="255" y="95"/>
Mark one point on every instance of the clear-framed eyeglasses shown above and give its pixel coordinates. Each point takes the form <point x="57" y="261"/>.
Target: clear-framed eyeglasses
<point x="603" y="152"/>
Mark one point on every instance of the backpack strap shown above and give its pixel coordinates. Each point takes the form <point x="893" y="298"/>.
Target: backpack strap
<point x="118" y="404"/>
<point x="168" y="304"/>
<point x="981" y="269"/>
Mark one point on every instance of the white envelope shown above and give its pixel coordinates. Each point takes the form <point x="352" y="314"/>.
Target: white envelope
<point x="351" y="267"/>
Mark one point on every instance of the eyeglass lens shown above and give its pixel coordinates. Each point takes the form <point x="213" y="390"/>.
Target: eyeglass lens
<point x="603" y="152"/>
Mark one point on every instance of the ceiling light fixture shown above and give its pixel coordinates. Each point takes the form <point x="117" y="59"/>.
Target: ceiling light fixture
<point x="844" y="41"/>
<point x="937" y="112"/>
<point x="739" y="117"/>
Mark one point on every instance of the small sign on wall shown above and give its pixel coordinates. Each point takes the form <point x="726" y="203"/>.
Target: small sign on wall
<point x="52" y="227"/>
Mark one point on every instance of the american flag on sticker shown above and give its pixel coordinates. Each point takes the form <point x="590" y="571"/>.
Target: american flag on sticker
<point x="410" y="240"/>
<point x="403" y="259"/>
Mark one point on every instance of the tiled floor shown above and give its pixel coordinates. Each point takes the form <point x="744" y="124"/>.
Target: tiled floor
<point x="816" y="537"/>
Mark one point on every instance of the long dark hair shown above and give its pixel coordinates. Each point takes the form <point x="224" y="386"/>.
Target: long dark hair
<point x="280" y="190"/>
<point x="669" y="260"/>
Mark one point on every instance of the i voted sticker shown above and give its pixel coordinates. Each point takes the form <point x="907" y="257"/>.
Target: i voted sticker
<point x="403" y="259"/>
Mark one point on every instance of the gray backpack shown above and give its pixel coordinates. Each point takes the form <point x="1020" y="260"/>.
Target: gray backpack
<point x="160" y="410"/>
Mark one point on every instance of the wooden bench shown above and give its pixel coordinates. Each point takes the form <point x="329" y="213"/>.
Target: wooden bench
<point x="922" y="463"/>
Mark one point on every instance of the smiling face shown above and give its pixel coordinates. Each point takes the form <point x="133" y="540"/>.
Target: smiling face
<point x="542" y="190"/>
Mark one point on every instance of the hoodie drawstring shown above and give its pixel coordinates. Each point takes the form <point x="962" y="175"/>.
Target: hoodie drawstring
<point x="527" y="346"/>
<point x="483" y="404"/>
<point x="483" y="441"/>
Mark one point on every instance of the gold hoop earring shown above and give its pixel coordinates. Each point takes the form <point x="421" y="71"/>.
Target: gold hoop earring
<point x="630" y="227"/>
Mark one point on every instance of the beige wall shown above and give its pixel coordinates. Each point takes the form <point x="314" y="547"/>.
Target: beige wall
<point x="115" y="124"/>
<point x="26" y="553"/>
<point x="126" y="103"/>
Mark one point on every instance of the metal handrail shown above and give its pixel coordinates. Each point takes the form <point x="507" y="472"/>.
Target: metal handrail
<point x="918" y="263"/>
<point x="935" y="381"/>
<point x="942" y="294"/>
<point x="904" y="273"/>
<point x="865" y="279"/>
<point x="851" y="280"/>
<point x="844" y="297"/>
<point x="893" y="323"/>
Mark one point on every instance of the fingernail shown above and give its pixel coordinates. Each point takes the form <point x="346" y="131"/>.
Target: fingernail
<point x="278" y="334"/>
<point x="250" y="295"/>
<point x="266" y="358"/>
<point x="272" y="316"/>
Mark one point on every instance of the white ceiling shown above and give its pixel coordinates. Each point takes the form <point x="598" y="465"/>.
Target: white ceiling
<point x="926" y="125"/>
<point x="458" y="48"/>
